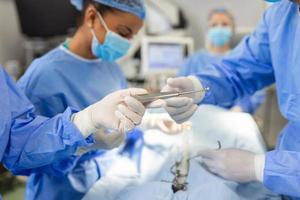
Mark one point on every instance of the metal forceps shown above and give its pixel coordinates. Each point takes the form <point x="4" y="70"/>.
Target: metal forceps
<point x="181" y="171"/>
<point x="149" y="98"/>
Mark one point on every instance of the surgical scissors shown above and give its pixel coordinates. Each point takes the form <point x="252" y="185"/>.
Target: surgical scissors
<point x="149" y="98"/>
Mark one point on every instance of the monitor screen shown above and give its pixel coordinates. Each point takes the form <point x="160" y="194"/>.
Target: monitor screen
<point x="166" y="56"/>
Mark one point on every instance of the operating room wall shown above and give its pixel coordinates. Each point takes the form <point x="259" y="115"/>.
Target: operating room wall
<point x="10" y="36"/>
<point x="246" y="13"/>
<point x="195" y="10"/>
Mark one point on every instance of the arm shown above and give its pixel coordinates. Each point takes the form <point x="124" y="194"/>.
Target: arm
<point x="282" y="169"/>
<point x="36" y="141"/>
<point x="252" y="103"/>
<point x="247" y="69"/>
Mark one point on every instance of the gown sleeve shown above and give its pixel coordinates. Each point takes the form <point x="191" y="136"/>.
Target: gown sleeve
<point x="35" y="141"/>
<point x="247" y="69"/>
<point x="250" y="104"/>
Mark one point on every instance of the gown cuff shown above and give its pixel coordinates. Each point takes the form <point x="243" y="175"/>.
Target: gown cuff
<point x="82" y="120"/>
<point x="259" y="164"/>
<point x="72" y="134"/>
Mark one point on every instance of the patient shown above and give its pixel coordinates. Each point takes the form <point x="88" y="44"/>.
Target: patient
<point x="152" y="180"/>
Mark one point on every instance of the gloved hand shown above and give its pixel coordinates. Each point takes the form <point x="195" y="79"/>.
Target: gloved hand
<point x="104" y="140"/>
<point x="235" y="165"/>
<point x="108" y="141"/>
<point x="182" y="109"/>
<point x="164" y="123"/>
<point x="118" y="111"/>
<point x="169" y="126"/>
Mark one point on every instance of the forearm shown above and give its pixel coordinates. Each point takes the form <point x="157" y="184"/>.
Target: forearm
<point x="49" y="140"/>
<point x="244" y="71"/>
<point x="282" y="172"/>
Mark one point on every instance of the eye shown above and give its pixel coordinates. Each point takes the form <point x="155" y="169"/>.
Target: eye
<point x="125" y="32"/>
<point x="225" y="24"/>
<point x="123" y="35"/>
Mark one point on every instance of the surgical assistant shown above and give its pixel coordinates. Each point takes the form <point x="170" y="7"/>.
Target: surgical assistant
<point x="85" y="70"/>
<point x="22" y="132"/>
<point x="271" y="54"/>
<point x="219" y="38"/>
<point x="202" y="59"/>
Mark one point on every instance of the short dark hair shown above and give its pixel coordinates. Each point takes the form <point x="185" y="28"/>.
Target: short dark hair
<point x="101" y="8"/>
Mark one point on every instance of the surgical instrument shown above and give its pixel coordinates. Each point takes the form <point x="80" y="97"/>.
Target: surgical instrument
<point x="149" y="98"/>
<point x="181" y="171"/>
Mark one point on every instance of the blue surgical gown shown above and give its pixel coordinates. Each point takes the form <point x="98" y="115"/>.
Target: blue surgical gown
<point x="53" y="82"/>
<point x="271" y="54"/>
<point x="29" y="142"/>
<point x="201" y="61"/>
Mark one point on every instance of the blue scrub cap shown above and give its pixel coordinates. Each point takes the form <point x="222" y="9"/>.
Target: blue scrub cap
<point x="135" y="7"/>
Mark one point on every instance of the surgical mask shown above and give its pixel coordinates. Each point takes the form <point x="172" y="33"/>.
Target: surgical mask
<point x="219" y="36"/>
<point x="113" y="47"/>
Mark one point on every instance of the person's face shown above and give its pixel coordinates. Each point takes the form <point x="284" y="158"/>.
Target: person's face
<point x="220" y="20"/>
<point x="124" y="24"/>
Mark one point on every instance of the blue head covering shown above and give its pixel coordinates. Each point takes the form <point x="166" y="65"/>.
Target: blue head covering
<point x="135" y="7"/>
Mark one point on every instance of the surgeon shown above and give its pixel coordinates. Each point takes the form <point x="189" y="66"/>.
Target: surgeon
<point x="271" y="54"/>
<point x="218" y="44"/>
<point x="81" y="71"/>
<point x="29" y="142"/>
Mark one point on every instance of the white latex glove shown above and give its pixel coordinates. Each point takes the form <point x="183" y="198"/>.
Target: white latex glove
<point x="235" y="165"/>
<point x="118" y="111"/>
<point x="108" y="141"/>
<point x="164" y="123"/>
<point x="181" y="109"/>
<point x="169" y="126"/>
<point x="104" y="140"/>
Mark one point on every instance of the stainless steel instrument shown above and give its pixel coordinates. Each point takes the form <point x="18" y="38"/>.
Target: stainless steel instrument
<point x="149" y="98"/>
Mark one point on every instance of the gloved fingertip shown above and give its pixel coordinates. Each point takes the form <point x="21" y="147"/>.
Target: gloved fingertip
<point x="187" y="100"/>
<point x="129" y="99"/>
<point x="137" y="91"/>
<point x="133" y="103"/>
<point x="128" y="127"/>
<point x="118" y="114"/>
<point x="120" y="107"/>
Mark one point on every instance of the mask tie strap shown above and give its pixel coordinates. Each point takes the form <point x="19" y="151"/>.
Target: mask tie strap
<point x="103" y="22"/>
